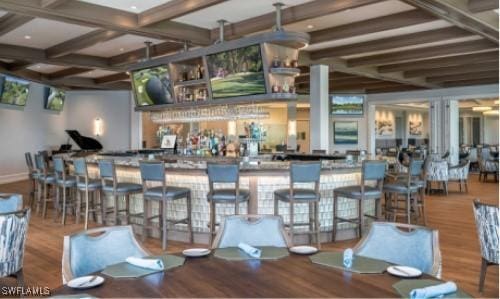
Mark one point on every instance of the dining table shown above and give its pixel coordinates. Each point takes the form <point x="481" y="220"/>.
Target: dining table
<point x="293" y="276"/>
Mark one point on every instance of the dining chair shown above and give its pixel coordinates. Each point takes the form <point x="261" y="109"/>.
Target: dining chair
<point x="154" y="172"/>
<point x="488" y="230"/>
<point x="63" y="182"/>
<point x="254" y="230"/>
<point x="32" y="176"/>
<point x="88" y="186"/>
<point x="403" y="244"/>
<point x="437" y="172"/>
<point x="487" y="165"/>
<point x="460" y="174"/>
<point x="13" y="231"/>
<point x="304" y="173"/>
<point x="10" y="202"/>
<point x="371" y="171"/>
<point x="93" y="250"/>
<point x="224" y="173"/>
<point x="46" y="179"/>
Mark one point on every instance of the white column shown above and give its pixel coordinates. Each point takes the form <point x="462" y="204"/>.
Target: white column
<point x="292" y="126"/>
<point x="444" y="127"/>
<point x="453" y="130"/>
<point x="319" y="111"/>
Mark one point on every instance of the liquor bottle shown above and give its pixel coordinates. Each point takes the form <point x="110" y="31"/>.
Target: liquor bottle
<point x="287" y="62"/>
<point x="199" y="72"/>
<point x="184" y="74"/>
<point x="276" y="62"/>
<point x="286" y="87"/>
<point x="275" y="88"/>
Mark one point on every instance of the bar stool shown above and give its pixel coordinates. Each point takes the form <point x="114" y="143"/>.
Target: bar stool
<point x="302" y="172"/>
<point x="33" y="176"/>
<point x="406" y="186"/>
<point x="87" y="186"/>
<point x="63" y="182"/>
<point x="371" y="171"/>
<point x="110" y="185"/>
<point x="154" y="171"/>
<point x="45" y="179"/>
<point x="224" y="173"/>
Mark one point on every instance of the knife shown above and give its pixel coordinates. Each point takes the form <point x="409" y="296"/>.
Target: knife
<point x="94" y="277"/>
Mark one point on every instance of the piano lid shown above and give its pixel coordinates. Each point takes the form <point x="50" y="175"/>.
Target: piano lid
<point x="84" y="142"/>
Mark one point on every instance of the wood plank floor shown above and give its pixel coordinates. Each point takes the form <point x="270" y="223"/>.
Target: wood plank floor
<point x="452" y="215"/>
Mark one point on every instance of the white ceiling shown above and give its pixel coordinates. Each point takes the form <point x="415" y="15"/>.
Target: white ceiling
<point x="118" y="45"/>
<point x="140" y="5"/>
<point x="233" y="11"/>
<point x="46" y="68"/>
<point x="44" y="33"/>
<point x="96" y="74"/>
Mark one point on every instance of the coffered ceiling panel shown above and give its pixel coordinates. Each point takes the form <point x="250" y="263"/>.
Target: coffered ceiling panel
<point x="135" y="6"/>
<point x="118" y="45"/>
<point x="46" y="68"/>
<point x="96" y="74"/>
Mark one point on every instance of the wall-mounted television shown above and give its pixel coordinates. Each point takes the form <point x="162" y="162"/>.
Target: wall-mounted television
<point x="53" y="98"/>
<point x="348" y="105"/>
<point x="13" y="91"/>
<point x="237" y="72"/>
<point x="152" y="86"/>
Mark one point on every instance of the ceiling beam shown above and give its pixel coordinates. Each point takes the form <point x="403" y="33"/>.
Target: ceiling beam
<point x="112" y="78"/>
<point x="82" y="42"/>
<point x="424" y="53"/>
<point x="394" y="21"/>
<point x="440" y="62"/>
<point x="458" y="13"/>
<point x="69" y="72"/>
<point x="174" y="9"/>
<point x="471" y="82"/>
<point x="482" y="5"/>
<point x="20" y="65"/>
<point x="452" y="70"/>
<point x="136" y="55"/>
<point x="392" y="89"/>
<point x="52" y="3"/>
<point x="331" y="76"/>
<point x="461" y="77"/>
<point x="91" y="15"/>
<point x="392" y="42"/>
<point x="292" y="14"/>
<point x="10" y="21"/>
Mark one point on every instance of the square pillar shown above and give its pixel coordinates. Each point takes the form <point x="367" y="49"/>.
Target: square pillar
<point x="320" y="108"/>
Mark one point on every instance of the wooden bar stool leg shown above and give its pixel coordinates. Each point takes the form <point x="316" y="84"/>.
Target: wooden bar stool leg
<point x="361" y="220"/>
<point x="213" y="210"/>
<point x="311" y="220"/>
<point x="291" y="222"/>
<point x="164" y="221"/>
<point x="334" y="227"/>
<point x="44" y="207"/>
<point x="236" y="207"/>
<point x="78" y="205"/>
<point x="317" y="223"/>
<point x="408" y="212"/>
<point x="115" y="209"/>
<point x="276" y="207"/>
<point x="86" y="208"/>
<point x="56" y="202"/>
<point x="64" y="206"/>
<point x="127" y="209"/>
<point x="189" y="218"/>
<point x="145" y="221"/>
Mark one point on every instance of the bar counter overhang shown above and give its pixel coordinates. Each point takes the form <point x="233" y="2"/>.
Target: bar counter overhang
<point x="261" y="178"/>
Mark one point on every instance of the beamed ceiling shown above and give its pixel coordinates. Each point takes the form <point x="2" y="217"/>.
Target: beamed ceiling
<point x="370" y="45"/>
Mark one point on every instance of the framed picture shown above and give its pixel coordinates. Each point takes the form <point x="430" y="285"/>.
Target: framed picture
<point x="385" y="127"/>
<point x="168" y="141"/>
<point x="416" y="127"/>
<point x="348" y="105"/>
<point x="345" y="132"/>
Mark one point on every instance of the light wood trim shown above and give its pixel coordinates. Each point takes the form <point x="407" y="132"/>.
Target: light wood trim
<point x="393" y="89"/>
<point x="471" y="82"/>
<point x="476" y="6"/>
<point x="424" y="53"/>
<point x="440" y="62"/>
<point x="174" y="9"/>
<point x="136" y="55"/>
<point x="20" y="65"/>
<point x="464" y="76"/>
<point x="112" y="78"/>
<point x="392" y="42"/>
<point x="12" y="21"/>
<point x="67" y="73"/>
<point x="82" y="42"/>
<point x="52" y="3"/>
<point x="452" y="70"/>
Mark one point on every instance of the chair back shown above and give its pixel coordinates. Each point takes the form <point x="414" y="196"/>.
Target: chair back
<point x="80" y="167"/>
<point x="40" y="163"/>
<point x="29" y="162"/>
<point x="59" y="168"/>
<point x="437" y="171"/>
<point x="418" y="247"/>
<point x="93" y="250"/>
<point x="152" y="171"/>
<point x="13" y="230"/>
<point x="223" y="172"/>
<point x="10" y="202"/>
<point x="487" y="229"/>
<point x="416" y="167"/>
<point x="373" y="170"/>
<point x="254" y="230"/>
<point x="305" y="172"/>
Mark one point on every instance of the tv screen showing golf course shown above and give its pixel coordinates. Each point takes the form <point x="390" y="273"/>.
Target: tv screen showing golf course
<point x="347" y="104"/>
<point x="236" y="72"/>
<point x="13" y="91"/>
<point x="54" y="98"/>
<point x="152" y="86"/>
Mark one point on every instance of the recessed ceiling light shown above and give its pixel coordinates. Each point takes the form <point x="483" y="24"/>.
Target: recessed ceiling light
<point x="133" y="7"/>
<point x="38" y="67"/>
<point x="27" y="36"/>
<point x="122" y="49"/>
<point x="310" y="26"/>
<point x="481" y="108"/>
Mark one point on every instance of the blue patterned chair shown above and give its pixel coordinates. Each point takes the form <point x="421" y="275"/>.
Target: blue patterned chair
<point x="487" y="165"/>
<point x="415" y="246"/>
<point x="94" y="249"/>
<point x="255" y="230"/>
<point x="437" y="172"/>
<point x="13" y="230"/>
<point x="460" y="174"/>
<point x="10" y="202"/>
<point x="488" y="230"/>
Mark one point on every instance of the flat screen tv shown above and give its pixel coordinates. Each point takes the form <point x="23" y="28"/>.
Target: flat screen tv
<point x="347" y="105"/>
<point x="152" y="86"/>
<point x="236" y="73"/>
<point x="53" y="98"/>
<point x="13" y="91"/>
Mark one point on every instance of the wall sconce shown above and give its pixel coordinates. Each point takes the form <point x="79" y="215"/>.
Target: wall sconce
<point x="231" y="128"/>
<point x="98" y="127"/>
<point x="292" y="128"/>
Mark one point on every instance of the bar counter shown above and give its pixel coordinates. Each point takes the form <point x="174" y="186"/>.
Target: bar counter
<point x="260" y="175"/>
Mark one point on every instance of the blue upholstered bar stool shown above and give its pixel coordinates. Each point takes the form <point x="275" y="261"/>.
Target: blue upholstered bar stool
<point x="110" y="185"/>
<point x="371" y="171"/>
<point x="225" y="173"/>
<point x="88" y="186"/>
<point x="63" y="182"/>
<point x="45" y="179"/>
<point x="302" y="172"/>
<point x="33" y="177"/>
<point x="154" y="172"/>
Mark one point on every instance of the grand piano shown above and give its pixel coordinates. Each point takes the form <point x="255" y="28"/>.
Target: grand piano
<point x="87" y="145"/>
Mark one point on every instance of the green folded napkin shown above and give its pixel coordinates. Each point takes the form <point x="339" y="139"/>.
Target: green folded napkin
<point x="236" y="254"/>
<point x="405" y="286"/>
<point x="126" y="270"/>
<point x="360" y="264"/>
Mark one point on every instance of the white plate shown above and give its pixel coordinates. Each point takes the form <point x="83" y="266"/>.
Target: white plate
<point x="196" y="252"/>
<point x="85" y="283"/>
<point x="404" y="271"/>
<point x="303" y="249"/>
